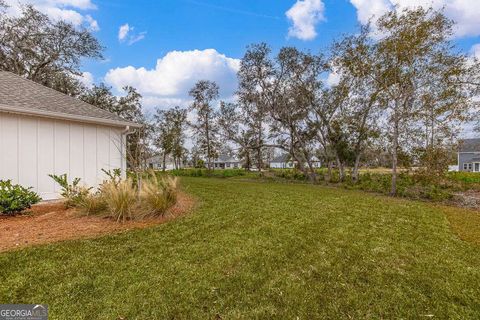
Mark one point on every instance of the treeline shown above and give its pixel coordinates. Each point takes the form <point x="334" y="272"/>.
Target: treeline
<point x="397" y="89"/>
<point x="401" y="88"/>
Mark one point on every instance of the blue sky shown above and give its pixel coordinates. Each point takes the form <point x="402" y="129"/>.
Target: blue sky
<point x="162" y="47"/>
<point x="227" y="26"/>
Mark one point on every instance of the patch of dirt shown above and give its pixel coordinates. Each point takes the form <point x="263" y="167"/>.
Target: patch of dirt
<point x="467" y="199"/>
<point x="51" y="222"/>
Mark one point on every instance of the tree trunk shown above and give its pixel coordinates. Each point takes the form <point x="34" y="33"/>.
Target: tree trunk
<point x="259" y="160"/>
<point x="394" y="158"/>
<point x="330" y="165"/>
<point x="313" y="175"/>
<point x="207" y="136"/>
<point x="164" y="161"/>
<point x="355" y="168"/>
<point x="259" y="152"/>
<point x="341" y="169"/>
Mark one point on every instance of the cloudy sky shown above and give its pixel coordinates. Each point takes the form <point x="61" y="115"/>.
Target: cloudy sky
<point x="162" y="47"/>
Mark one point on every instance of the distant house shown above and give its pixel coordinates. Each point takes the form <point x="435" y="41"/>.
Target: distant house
<point x="43" y="131"/>
<point x="156" y="163"/>
<point x="226" y="162"/>
<point x="469" y="155"/>
<point x="284" y="161"/>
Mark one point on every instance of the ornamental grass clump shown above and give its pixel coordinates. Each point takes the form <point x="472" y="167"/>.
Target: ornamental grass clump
<point x="157" y="195"/>
<point x="93" y="204"/>
<point x="121" y="200"/>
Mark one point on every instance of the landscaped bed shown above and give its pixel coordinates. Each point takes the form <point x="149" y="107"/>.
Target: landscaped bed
<point x="52" y="221"/>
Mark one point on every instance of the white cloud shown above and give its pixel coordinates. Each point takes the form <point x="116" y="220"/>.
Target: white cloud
<point x="466" y="13"/>
<point x="305" y="15"/>
<point x="137" y="37"/>
<point x="67" y="10"/>
<point x="175" y="74"/>
<point x="86" y="79"/>
<point x="333" y="79"/>
<point x="93" y="24"/>
<point x="126" y="32"/>
<point x="367" y="9"/>
<point x="80" y="4"/>
<point x="475" y="51"/>
<point x="123" y="31"/>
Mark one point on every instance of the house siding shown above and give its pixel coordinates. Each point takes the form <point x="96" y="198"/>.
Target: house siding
<point x="465" y="158"/>
<point x="31" y="148"/>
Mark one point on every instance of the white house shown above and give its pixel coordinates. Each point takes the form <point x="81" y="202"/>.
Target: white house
<point x="284" y="161"/>
<point x="226" y="162"/>
<point x="156" y="162"/>
<point x="43" y="131"/>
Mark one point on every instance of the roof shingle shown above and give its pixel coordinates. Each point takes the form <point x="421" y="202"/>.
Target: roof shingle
<point x="469" y="145"/>
<point x="26" y="95"/>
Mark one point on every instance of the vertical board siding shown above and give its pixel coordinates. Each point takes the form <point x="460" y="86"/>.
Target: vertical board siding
<point x="103" y="151"/>
<point x="31" y="148"/>
<point x="27" y="152"/>
<point x="9" y="151"/>
<point x="115" y="150"/>
<point x="90" y="156"/>
<point x="46" y="157"/>
<point x="62" y="150"/>
<point x="76" y="151"/>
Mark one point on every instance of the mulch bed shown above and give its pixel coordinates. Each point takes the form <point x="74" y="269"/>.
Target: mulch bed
<point x="51" y="222"/>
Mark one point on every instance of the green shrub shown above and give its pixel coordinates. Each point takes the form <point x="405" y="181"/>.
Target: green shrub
<point x="15" y="198"/>
<point x="289" y="174"/>
<point x="114" y="175"/>
<point x="73" y="193"/>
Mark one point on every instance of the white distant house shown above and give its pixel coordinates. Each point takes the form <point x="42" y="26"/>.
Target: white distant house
<point x="156" y="163"/>
<point x="226" y="162"/>
<point x="284" y="161"/>
<point x="43" y="131"/>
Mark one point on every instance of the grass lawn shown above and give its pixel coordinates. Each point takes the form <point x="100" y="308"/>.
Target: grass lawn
<point x="261" y="250"/>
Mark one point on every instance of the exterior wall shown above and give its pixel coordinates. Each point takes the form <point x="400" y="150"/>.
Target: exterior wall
<point x="289" y="165"/>
<point x="31" y="148"/>
<point x="159" y="166"/>
<point x="317" y="164"/>
<point x="227" y="165"/>
<point x="465" y="158"/>
<point x="281" y="165"/>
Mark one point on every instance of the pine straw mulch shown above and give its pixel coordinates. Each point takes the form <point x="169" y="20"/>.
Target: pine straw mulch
<point x="51" y="222"/>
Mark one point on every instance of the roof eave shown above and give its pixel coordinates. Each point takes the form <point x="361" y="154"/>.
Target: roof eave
<point x="66" y="116"/>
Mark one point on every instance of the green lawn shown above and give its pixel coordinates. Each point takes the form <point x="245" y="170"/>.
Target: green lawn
<point x="261" y="250"/>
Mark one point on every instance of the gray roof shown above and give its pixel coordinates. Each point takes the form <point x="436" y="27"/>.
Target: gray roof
<point x="284" y="158"/>
<point x="20" y="95"/>
<point x="224" y="158"/>
<point x="469" y="145"/>
<point x="281" y="158"/>
<point x="159" y="159"/>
